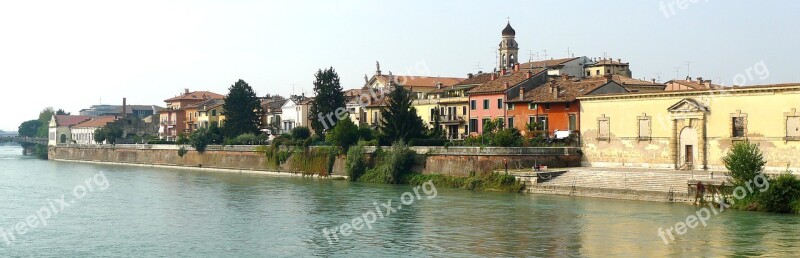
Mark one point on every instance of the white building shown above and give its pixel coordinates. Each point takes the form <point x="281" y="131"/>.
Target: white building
<point x="60" y="128"/>
<point x="295" y="113"/>
<point x="83" y="133"/>
<point x="573" y="66"/>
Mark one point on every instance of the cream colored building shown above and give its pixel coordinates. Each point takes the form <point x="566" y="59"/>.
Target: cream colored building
<point x="691" y="129"/>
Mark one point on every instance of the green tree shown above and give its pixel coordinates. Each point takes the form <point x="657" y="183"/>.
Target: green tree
<point x="214" y="134"/>
<point x="399" y="120"/>
<point x="436" y="132"/>
<point x="61" y="112"/>
<point x="242" y="110"/>
<point x="508" y="137"/>
<point x="29" y="128"/>
<point x="113" y="132"/>
<point x="344" y="134"/>
<point x="300" y="133"/>
<point x="100" y="135"/>
<point x="199" y="140"/>
<point x="328" y="101"/>
<point x="744" y="161"/>
<point x="44" y="118"/>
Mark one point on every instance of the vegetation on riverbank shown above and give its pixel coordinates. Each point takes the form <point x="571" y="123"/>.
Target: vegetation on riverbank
<point x="395" y="166"/>
<point x="746" y="165"/>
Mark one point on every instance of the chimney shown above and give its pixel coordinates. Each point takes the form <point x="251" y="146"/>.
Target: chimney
<point x="480" y="72"/>
<point x="564" y="76"/>
<point x="688" y="78"/>
<point x="653" y="79"/>
<point x="439" y="85"/>
<point x="469" y="76"/>
<point x="124" y="106"/>
<point x="516" y="67"/>
<point x="186" y="91"/>
<point x="609" y="77"/>
<point x="707" y="83"/>
<point x="494" y="76"/>
<point x="619" y="60"/>
<point x="529" y="74"/>
<point x="505" y="85"/>
<point x="555" y="92"/>
<point x="521" y="93"/>
<point x="700" y="80"/>
<point x="503" y="71"/>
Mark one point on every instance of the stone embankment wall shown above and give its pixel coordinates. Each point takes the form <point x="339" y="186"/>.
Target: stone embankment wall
<point x="455" y="161"/>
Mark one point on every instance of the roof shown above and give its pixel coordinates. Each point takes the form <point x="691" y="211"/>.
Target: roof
<point x="499" y="84"/>
<point x="418" y="81"/>
<point x="624" y="81"/>
<point x="508" y="31"/>
<point x="608" y="61"/>
<point x="99" y="121"/>
<point x="547" y="63"/>
<point x="207" y="104"/>
<point x="568" y="89"/>
<point x="696" y="84"/>
<point x="196" y="95"/>
<point x="764" y="87"/>
<point x="69" y="120"/>
<point x="476" y="79"/>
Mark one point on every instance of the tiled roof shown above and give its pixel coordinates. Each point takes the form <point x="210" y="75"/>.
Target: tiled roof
<point x="418" y="81"/>
<point x="499" y="84"/>
<point x="547" y="63"/>
<point x="696" y="85"/>
<point x="624" y="80"/>
<point x="607" y="62"/>
<point x="68" y="120"/>
<point x="96" y="122"/>
<point x="568" y="90"/>
<point x="208" y="104"/>
<point x="196" y="95"/>
<point x="476" y="79"/>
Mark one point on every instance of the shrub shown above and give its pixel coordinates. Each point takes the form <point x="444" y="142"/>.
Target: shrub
<point x="199" y="140"/>
<point x="182" y="139"/>
<point x="365" y="133"/>
<point x="245" y="139"/>
<point x="393" y="165"/>
<point x="744" y="161"/>
<point x="344" y="134"/>
<point x="355" y="165"/>
<point x="509" y="137"/>
<point x="300" y="133"/>
<point x="182" y="152"/>
<point x="783" y="192"/>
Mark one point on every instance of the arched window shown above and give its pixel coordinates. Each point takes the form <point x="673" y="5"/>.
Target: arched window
<point x="63" y="138"/>
<point x="511" y="59"/>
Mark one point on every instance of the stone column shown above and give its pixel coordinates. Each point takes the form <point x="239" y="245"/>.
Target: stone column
<point x="673" y="143"/>
<point x="702" y="142"/>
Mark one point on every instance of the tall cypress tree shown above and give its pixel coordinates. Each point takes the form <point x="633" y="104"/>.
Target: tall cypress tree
<point x="329" y="97"/>
<point x="242" y="110"/>
<point x="399" y="119"/>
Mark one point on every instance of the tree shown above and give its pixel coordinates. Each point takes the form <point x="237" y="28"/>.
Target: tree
<point x="328" y="102"/>
<point x="344" y="134"/>
<point x="100" y="135"/>
<point x="436" y="132"/>
<point x="399" y="120"/>
<point x="744" y="161"/>
<point x="44" y="118"/>
<point x="113" y="132"/>
<point x="29" y="128"/>
<point x="214" y="134"/>
<point x="242" y="110"/>
<point x="300" y="133"/>
<point x="61" y="112"/>
<point x="199" y="140"/>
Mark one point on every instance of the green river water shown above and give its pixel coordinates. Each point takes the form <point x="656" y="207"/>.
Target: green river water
<point x="129" y="211"/>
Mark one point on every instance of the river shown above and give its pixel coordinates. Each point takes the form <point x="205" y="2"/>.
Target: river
<point x="143" y="212"/>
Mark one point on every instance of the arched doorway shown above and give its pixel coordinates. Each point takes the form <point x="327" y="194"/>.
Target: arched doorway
<point x="688" y="147"/>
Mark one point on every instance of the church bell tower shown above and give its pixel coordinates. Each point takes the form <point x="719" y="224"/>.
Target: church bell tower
<point x="507" y="52"/>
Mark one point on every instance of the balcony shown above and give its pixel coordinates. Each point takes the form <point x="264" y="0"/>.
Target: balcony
<point x="451" y="119"/>
<point x="453" y="100"/>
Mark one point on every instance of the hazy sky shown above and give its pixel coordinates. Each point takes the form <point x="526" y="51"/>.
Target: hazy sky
<point x="72" y="54"/>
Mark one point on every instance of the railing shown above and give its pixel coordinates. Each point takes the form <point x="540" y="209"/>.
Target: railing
<point x="452" y="119"/>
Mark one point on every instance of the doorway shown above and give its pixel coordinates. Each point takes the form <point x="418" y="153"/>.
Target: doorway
<point x="689" y="150"/>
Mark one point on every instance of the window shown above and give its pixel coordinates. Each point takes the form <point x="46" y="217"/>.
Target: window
<point x="739" y="126"/>
<point x="473" y="125"/>
<point x="545" y="125"/>
<point x="213" y="112"/>
<point x="473" y="105"/>
<point x="597" y="72"/>
<point x="510" y="106"/>
<point x="485" y="104"/>
<point x="547" y="106"/>
<point x="567" y="105"/>
<point x="499" y="103"/>
<point x="793" y="127"/>
<point x="533" y="106"/>
<point x="604" y="129"/>
<point x="644" y="128"/>
<point x="573" y="122"/>
<point x="464" y="110"/>
<point x="510" y="122"/>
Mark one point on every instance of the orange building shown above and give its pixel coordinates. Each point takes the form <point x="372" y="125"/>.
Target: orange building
<point x="553" y="104"/>
<point x="175" y="118"/>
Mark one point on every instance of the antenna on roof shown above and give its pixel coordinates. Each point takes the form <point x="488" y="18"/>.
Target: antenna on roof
<point x="569" y="53"/>
<point x="687" y="68"/>
<point x="477" y="66"/>
<point x="677" y="69"/>
<point x="658" y="77"/>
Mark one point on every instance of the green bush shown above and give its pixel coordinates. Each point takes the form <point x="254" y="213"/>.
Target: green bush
<point x="199" y="140"/>
<point x="245" y="139"/>
<point x="355" y="164"/>
<point x="366" y="133"/>
<point x="344" y="134"/>
<point x="508" y="137"/>
<point x="783" y="192"/>
<point x="393" y="165"/>
<point x="182" y="138"/>
<point x="744" y="161"/>
<point x="488" y="182"/>
<point x="182" y="152"/>
<point x="300" y="133"/>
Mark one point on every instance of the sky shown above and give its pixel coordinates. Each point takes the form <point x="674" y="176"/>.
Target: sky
<point x="74" y="54"/>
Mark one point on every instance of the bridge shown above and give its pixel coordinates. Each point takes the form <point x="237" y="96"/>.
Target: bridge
<point x="39" y="141"/>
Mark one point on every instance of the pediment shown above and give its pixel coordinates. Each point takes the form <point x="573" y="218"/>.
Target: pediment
<point x="688" y="106"/>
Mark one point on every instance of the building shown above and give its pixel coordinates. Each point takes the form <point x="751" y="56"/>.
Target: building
<point x="295" y="113"/>
<point x="507" y="51"/>
<point x="83" y="133"/>
<point x="573" y="66"/>
<point x="691" y="129"/>
<point x="140" y="111"/>
<point x="453" y="104"/>
<point x="210" y="112"/>
<point x="487" y="101"/>
<point x="554" y="105"/>
<point x="173" y="119"/>
<point x="272" y="113"/>
<point x="689" y="84"/>
<point x="419" y="86"/>
<point x="604" y="66"/>
<point x="356" y="101"/>
<point x="60" y="128"/>
<point x="636" y="85"/>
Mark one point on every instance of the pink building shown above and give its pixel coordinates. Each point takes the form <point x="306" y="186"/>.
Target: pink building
<point x="487" y="101"/>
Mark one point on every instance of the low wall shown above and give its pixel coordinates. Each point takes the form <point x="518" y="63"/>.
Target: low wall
<point x="455" y="161"/>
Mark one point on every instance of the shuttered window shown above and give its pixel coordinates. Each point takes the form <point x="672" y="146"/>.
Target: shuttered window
<point x="644" y="129"/>
<point x="793" y="127"/>
<point x="604" y="129"/>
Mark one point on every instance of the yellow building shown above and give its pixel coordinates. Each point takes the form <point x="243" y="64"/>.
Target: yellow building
<point x="691" y="129"/>
<point x="210" y="112"/>
<point x="604" y="66"/>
